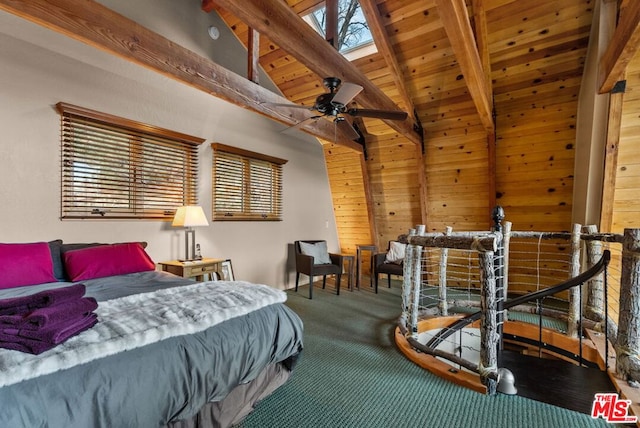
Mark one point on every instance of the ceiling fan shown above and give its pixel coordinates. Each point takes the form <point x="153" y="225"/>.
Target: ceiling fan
<point x="334" y="104"/>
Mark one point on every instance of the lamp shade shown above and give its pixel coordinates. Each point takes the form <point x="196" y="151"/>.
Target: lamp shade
<point x="190" y="215"/>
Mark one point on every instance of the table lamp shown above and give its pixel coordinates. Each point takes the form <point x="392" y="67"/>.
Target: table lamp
<point x="188" y="217"/>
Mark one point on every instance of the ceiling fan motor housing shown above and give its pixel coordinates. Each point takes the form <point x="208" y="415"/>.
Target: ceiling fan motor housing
<point x="325" y="106"/>
<point x="331" y="83"/>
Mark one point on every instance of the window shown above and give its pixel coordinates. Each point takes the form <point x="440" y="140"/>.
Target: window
<point x="115" y="168"/>
<point x="354" y="37"/>
<point x="246" y="185"/>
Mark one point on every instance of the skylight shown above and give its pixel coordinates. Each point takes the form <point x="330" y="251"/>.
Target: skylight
<point x="354" y="38"/>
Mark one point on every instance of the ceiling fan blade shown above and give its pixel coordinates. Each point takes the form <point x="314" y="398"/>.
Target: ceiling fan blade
<point x="301" y="124"/>
<point x="346" y="93"/>
<point x="291" y="105"/>
<point x="347" y="128"/>
<point x="378" y="114"/>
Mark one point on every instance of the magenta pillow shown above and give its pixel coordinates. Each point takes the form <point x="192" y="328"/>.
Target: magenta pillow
<point x="106" y="260"/>
<point x="25" y="264"/>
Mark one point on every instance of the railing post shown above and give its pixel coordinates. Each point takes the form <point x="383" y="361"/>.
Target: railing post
<point x="574" y="293"/>
<point x="412" y="270"/>
<point x="498" y="216"/>
<point x="628" y="343"/>
<point x="506" y="242"/>
<point x="442" y="279"/>
<point x="489" y="336"/>
<point x="594" y="309"/>
<point x="416" y="281"/>
<point x="407" y="277"/>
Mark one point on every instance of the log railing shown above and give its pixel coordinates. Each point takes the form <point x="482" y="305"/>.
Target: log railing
<point x="488" y="244"/>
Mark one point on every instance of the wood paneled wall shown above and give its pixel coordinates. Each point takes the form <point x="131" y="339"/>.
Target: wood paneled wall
<point x="535" y="156"/>
<point x="456" y="163"/>
<point x="537" y="63"/>
<point x="393" y="173"/>
<point x="350" y="199"/>
<point x="626" y="204"/>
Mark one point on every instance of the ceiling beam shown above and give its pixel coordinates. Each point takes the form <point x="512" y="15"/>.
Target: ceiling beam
<point x="331" y="23"/>
<point x="622" y="48"/>
<point x="455" y="19"/>
<point x="253" y="51"/>
<point x="96" y="25"/>
<point x="277" y="21"/>
<point x="610" y="173"/>
<point x="482" y="39"/>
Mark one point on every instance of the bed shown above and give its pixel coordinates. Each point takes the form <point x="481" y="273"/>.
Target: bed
<point x="166" y="351"/>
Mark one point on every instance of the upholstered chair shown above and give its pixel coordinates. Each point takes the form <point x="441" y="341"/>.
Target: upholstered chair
<point x="389" y="263"/>
<point x="313" y="259"/>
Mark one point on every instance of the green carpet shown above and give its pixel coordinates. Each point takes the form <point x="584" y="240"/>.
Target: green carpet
<point x="352" y="375"/>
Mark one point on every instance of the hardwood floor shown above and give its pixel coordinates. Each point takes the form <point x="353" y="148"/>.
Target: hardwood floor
<point x="556" y="382"/>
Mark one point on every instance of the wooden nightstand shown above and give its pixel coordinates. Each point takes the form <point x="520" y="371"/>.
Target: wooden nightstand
<point x="196" y="269"/>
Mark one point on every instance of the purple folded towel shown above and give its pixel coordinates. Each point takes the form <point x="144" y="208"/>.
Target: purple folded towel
<point x="67" y="311"/>
<point x="54" y="334"/>
<point x="23" y="304"/>
<point x="34" y="346"/>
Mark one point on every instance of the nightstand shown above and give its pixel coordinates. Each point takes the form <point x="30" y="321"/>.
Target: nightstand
<point x="197" y="269"/>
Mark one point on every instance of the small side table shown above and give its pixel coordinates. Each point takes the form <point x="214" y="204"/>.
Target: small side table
<point x="359" y="249"/>
<point x="197" y="269"/>
<point x="350" y="259"/>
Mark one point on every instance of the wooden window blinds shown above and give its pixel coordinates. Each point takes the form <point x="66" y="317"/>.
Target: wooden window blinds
<point x="115" y="168"/>
<point x="246" y="185"/>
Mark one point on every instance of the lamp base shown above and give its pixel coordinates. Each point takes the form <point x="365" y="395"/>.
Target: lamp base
<point x="190" y="244"/>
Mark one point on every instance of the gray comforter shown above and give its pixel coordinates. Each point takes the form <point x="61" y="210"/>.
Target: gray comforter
<point x="157" y="383"/>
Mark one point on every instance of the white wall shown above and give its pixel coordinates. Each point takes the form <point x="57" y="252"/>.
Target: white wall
<point x="39" y="68"/>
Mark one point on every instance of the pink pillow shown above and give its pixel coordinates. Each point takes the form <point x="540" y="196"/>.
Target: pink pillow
<point x="25" y="264"/>
<point x="106" y="260"/>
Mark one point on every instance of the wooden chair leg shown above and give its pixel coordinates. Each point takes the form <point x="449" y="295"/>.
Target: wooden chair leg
<point x="310" y="287"/>
<point x="389" y="280"/>
<point x="324" y="281"/>
<point x="375" y="281"/>
<point x="297" y="279"/>
<point x="338" y="284"/>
